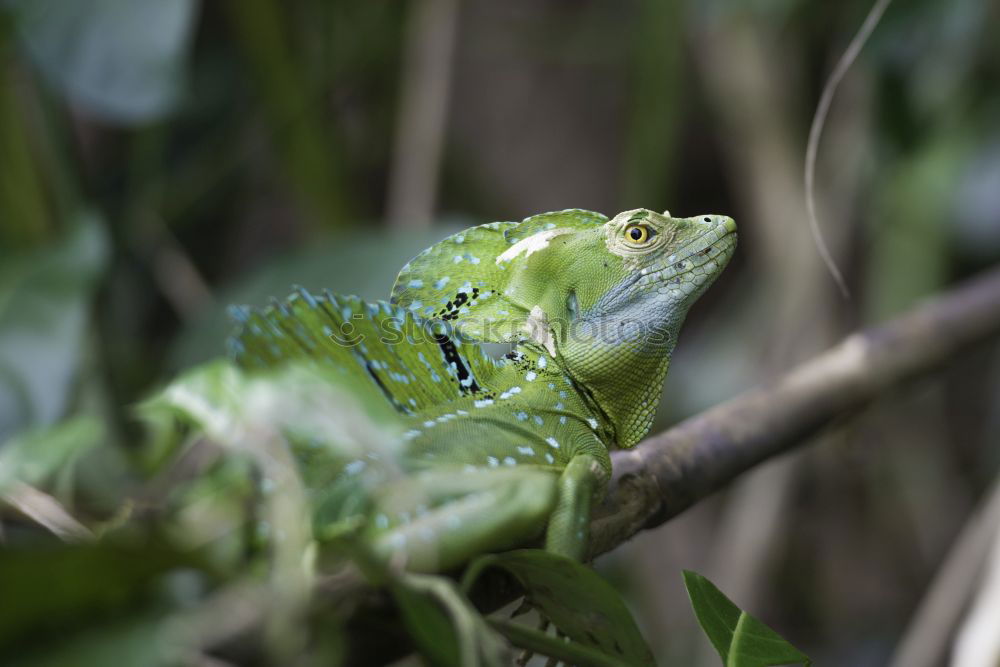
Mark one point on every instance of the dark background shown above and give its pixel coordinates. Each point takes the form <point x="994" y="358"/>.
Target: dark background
<point x="159" y="160"/>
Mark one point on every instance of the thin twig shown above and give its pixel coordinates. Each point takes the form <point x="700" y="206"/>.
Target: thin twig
<point x="173" y="271"/>
<point x="816" y="130"/>
<point x="48" y="512"/>
<point x="423" y="113"/>
<point x="977" y="642"/>
<point x="926" y="639"/>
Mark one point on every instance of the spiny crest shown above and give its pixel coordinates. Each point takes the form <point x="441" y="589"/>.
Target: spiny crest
<point x="465" y="278"/>
<point x="414" y="362"/>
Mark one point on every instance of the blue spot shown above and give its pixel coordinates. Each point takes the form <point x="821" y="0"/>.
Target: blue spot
<point x="239" y="313"/>
<point x="354" y="467"/>
<point x="308" y="297"/>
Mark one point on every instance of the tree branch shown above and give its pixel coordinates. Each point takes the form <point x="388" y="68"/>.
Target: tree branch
<point x="669" y="472"/>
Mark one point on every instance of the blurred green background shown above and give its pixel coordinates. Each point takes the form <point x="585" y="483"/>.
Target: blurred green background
<point x="160" y="160"/>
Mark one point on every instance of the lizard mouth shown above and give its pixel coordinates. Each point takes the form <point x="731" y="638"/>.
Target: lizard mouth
<point x="701" y="259"/>
<point x="714" y="245"/>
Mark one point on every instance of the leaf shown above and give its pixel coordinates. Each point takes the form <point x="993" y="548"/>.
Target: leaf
<point x="327" y="425"/>
<point x="575" y="599"/>
<point x="445" y="626"/>
<point x="38" y="454"/>
<point x="429" y="627"/>
<point x="55" y="587"/>
<point x="141" y="640"/>
<point x="44" y="299"/>
<point x="554" y="646"/>
<point x="120" y="59"/>
<point x="740" y="639"/>
<point x="304" y="400"/>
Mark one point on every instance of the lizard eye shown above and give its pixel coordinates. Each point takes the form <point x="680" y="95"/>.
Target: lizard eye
<point x="638" y="233"/>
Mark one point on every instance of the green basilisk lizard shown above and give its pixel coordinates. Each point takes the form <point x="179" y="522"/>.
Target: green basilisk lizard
<point x="493" y="451"/>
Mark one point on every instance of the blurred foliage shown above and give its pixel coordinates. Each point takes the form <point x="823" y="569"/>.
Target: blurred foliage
<point x="36" y="454"/>
<point x="235" y="496"/>
<point x="121" y="61"/>
<point x="161" y="160"/>
<point x="43" y="327"/>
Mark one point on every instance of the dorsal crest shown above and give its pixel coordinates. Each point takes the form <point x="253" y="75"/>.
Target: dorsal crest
<point x="468" y="278"/>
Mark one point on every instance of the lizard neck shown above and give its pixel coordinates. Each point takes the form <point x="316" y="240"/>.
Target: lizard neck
<point x="620" y="359"/>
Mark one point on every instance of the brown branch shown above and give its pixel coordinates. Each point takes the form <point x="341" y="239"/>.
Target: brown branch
<point x="669" y="472"/>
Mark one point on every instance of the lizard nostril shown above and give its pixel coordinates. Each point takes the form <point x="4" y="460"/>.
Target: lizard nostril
<point x="708" y="219"/>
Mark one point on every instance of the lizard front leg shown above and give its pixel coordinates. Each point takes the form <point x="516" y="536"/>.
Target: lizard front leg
<point x="569" y="525"/>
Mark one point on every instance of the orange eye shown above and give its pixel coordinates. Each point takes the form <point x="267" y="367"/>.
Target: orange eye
<point x="637" y="233"/>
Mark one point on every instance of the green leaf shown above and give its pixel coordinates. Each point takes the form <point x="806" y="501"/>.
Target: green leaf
<point x="55" y="587"/>
<point x="44" y="299"/>
<point x="740" y="639"/>
<point x="137" y="640"/>
<point x="446" y="628"/>
<point x="575" y="599"/>
<point x="303" y="400"/>
<point x="555" y="647"/>
<point x="36" y="455"/>
<point x="121" y="60"/>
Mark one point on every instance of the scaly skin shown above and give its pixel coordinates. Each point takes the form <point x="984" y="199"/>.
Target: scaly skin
<point x="497" y="449"/>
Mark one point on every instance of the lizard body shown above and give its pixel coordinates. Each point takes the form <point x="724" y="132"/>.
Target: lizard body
<point x="493" y="450"/>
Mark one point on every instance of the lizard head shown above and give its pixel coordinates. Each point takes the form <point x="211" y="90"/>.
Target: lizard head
<point x="672" y="260"/>
<point x="628" y="314"/>
<point x="629" y="281"/>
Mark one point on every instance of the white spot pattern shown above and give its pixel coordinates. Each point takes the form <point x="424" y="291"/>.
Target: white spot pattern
<point x="531" y="244"/>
